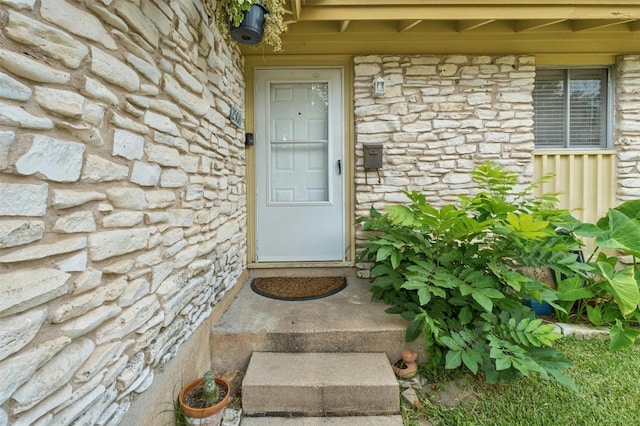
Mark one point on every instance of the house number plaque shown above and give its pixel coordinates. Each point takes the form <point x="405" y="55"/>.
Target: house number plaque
<point x="235" y="116"/>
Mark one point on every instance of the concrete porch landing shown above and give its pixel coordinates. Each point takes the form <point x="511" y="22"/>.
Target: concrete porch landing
<point x="348" y="321"/>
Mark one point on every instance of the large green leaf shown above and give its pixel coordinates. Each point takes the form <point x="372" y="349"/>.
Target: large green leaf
<point x="623" y="287"/>
<point x="382" y="269"/>
<point x="503" y="363"/>
<point x="630" y="208"/>
<point x="396" y="258"/>
<point x="471" y="359"/>
<point x="572" y="289"/>
<point x="592" y="231"/>
<point x="594" y="313"/>
<point x="527" y="226"/>
<point x="465" y="316"/>
<point x="554" y="364"/>
<point x="413" y="331"/>
<point x="492" y="293"/>
<point x="424" y="296"/>
<point x="384" y="252"/>
<point x="384" y="281"/>
<point x="450" y="343"/>
<point x="623" y="234"/>
<point x="445" y="279"/>
<point x="482" y="300"/>
<point x="413" y="285"/>
<point x="402" y="215"/>
<point x="513" y="279"/>
<point x="453" y="359"/>
<point x="465" y="289"/>
<point x="438" y="292"/>
<point x="621" y="338"/>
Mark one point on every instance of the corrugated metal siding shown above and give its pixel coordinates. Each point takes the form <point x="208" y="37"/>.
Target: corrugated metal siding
<point x="586" y="180"/>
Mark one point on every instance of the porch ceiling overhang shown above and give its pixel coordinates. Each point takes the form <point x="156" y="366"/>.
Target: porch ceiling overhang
<point x="461" y="26"/>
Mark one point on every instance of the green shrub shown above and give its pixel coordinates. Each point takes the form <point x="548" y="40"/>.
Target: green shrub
<point x="610" y="294"/>
<point x="456" y="274"/>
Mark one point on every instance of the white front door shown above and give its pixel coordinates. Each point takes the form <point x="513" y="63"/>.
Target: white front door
<point x="299" y="134"/>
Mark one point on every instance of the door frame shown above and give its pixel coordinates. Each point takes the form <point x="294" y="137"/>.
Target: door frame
<point x="345" y="63"/>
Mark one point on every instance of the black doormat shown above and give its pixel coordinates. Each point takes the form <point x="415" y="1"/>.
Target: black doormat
<point x="298" y="288"/>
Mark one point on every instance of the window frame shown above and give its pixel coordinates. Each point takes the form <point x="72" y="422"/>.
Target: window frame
<point x="609" y="112"/>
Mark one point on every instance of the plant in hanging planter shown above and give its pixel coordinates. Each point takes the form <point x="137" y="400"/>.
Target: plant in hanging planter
<point x="252" y="22"/>
<point x="202" y="401"/>
<point x="274" y="23"/>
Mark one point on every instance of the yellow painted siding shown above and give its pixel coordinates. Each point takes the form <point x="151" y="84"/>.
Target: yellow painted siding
<point x="586" y="180"/>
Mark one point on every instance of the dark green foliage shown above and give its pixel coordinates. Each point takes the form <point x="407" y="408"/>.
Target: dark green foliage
<point x="456" y="274"/>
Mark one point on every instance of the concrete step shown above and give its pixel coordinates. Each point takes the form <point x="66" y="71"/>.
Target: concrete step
<point x="395" y="420"/>
<point x="348" y="321"/>
<point x="316" y="384"/>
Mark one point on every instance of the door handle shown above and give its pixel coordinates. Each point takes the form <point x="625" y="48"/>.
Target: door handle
<point x="339" y="167"/>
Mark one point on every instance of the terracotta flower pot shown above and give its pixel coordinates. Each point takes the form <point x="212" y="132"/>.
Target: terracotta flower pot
<point x="210" y="416"/>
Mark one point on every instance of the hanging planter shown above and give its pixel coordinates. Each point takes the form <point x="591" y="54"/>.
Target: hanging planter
<point x="250" y="22"/>
<point x="251" y="29"/>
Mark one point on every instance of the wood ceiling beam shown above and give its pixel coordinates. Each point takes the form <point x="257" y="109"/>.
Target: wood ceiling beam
<point x="400" y="3"/>
<point x="408" y="24"/>
<point x="534" y="24"/>
<point x="472" y="24"/>
<point x="586" y="25"/>
<point x="310" y="12"/>
<point x="296" y="9"/>
<point x="356" y="43"/>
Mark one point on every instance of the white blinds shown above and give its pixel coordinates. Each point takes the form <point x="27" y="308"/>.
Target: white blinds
<point x="570" y="108"/>
<point x="549" y="108"/>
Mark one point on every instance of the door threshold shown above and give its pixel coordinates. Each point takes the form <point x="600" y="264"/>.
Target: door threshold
<point x="302" y="269"/>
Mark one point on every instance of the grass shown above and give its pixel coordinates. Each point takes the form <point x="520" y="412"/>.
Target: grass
<point x="609" y="394"/>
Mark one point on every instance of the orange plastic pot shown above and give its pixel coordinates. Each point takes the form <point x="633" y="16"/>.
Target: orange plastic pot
<point x="210" y="416"/>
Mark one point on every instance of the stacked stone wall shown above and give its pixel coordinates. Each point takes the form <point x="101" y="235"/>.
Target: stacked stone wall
<point x="122" y="198"/>
<point x="439" y="118"/>
<point x="443" y="115"/>
<point x="627" y="123"/>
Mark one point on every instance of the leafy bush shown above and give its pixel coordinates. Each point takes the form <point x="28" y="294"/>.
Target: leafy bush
<point x="456" y="274"/>
<point x="610" y="293"/>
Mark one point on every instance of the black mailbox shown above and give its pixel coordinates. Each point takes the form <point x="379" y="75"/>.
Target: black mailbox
<point x="372" y="155"/>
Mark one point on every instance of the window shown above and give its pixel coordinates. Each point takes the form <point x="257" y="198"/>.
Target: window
<point x="571" y="108"/>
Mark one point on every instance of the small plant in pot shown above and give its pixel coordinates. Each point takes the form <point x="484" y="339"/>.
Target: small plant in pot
<point x="202" y="401"/>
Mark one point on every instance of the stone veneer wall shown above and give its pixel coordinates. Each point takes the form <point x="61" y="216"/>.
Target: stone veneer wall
<point x="440" y="117"/>
<point x="122" y="199"/>
<point x="627" y="123"/>
<point x="443" y="115"/>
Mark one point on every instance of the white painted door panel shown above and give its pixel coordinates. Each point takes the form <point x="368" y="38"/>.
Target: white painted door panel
<point x="299" y="185"/>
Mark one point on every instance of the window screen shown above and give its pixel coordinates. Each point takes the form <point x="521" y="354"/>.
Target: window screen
<point x="571" y="108"/>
